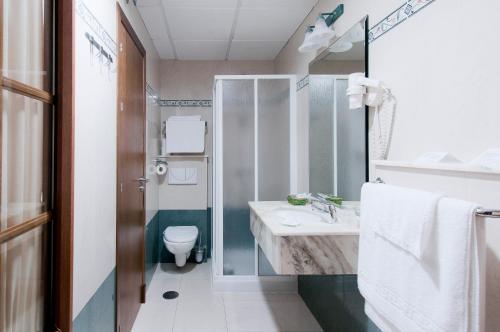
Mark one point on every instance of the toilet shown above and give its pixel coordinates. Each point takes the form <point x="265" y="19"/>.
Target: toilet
<point x="180" y="240"/>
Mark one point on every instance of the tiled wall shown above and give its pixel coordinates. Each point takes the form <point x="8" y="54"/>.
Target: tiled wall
<point x="198" y="218"/>
<point x="193" y="80"/>
<point x="152" y="247"/>
<point x="95" y="142"/>
<point x="99" y="312"/>
<point x="336" y="303"/>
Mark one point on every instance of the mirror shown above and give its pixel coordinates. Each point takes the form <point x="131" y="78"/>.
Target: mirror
<point x="338" y="151"/>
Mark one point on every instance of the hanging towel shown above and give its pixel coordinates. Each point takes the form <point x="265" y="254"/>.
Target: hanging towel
<point x="185" y="136"/>
<point x="401" y="215"/>
<point x="183" y="176"/>
<point x="442" y="291"/>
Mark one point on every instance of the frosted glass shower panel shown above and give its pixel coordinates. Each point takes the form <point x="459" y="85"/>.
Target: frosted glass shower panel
<point x="273" y="147"/>
<point x="321" y="134"/>
<point x="351" y="146"/>
<point x="238" y="121"/>
<point x="273" y="139"/>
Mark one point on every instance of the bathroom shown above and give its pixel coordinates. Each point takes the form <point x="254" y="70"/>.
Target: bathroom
<point x="213" y="166"/>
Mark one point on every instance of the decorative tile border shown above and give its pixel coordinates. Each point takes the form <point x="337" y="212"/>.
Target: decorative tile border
<point x="404" y="12"/>
<point x="185" y="103"/>
<point x="95" y="25"/>
<point x="302" y="83"/>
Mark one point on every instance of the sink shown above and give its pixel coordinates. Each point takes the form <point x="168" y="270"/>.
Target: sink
<point x="298" y="216"/>
<point x="298" y="240"/>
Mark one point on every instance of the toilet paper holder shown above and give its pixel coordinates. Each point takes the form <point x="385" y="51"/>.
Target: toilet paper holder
<point x="159" y="161"/>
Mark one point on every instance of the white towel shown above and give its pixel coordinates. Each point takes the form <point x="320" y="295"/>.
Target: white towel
<point x="184" y="118"/>
<point x="401" y="215"/>
<point x="183" y="176"/>
<point x="442" y="291"/>
<point x="185" y="136"/>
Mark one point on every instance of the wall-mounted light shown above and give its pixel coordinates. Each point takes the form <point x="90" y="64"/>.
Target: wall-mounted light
<point x="341" y="46"/>
<point x="307" y="44"/>
<point x="320" y="34"/>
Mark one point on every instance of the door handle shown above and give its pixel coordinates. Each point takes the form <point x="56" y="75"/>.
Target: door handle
<point x="142" y="180"/>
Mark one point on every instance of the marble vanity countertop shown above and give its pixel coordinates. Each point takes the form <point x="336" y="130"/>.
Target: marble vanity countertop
<point x="348" y="223"/>
<point x="313" y="246"/>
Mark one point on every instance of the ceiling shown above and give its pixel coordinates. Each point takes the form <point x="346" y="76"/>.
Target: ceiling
<point x="222" y="29"/>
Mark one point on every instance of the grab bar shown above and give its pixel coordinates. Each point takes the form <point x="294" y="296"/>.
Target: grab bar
<point x="486" y="213"/>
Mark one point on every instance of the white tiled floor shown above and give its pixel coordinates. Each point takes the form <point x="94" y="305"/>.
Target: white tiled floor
<point x="199" y="309"/>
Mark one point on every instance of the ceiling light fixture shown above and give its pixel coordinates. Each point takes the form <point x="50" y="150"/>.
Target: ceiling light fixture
<point x="320" y="34"/>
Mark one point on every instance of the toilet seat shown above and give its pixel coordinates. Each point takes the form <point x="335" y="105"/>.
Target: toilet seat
<point x="180" y="234"/>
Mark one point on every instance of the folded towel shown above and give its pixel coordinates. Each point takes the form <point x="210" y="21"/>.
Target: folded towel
<point x="401" y="215"/>
<point x="185" y="136"/>
<point x="442" y="291"/>
<point x="184" y="118"/>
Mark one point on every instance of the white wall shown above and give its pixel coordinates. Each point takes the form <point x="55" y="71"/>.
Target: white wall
<point x="442" y="66"/>
<point x="194" y="80"/>
<point x="95" y="151"/>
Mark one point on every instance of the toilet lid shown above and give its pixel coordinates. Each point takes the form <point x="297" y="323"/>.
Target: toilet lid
<point x="180" y="233"/>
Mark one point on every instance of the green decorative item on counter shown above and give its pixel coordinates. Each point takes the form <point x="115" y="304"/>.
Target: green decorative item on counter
<point x="296" y="201"/>
<point x="334" y="199"/>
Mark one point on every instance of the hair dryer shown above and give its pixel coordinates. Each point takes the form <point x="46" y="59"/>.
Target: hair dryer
<point x="364" y="91"/>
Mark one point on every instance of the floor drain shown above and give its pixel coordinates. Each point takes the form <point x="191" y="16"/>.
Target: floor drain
<point x="170" y="295"/>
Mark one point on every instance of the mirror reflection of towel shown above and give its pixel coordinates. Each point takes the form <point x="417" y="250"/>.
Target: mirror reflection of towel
<point x="183" y="176"/>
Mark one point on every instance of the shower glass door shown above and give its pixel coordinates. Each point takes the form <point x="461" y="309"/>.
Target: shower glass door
<point x="254" y="160"/>
<point x="238" y="126"/>
<point x="273" y="148"/>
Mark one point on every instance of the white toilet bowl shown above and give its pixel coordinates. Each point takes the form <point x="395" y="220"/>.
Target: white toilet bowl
<point x="180" y="240"/>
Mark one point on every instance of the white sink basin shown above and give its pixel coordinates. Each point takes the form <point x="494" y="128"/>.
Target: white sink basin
<point x="298" y="216"/>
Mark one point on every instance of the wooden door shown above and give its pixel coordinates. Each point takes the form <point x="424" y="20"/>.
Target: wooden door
<point x="27" y="115"/>
<point x="130" y="163"/>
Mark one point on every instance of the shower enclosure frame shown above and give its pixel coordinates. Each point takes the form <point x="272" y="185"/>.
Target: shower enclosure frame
<point x="253" y="282"/>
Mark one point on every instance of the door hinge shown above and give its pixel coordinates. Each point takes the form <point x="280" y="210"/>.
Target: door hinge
<point x="121" y="47"/>
<point x="121" y="187"/>
<point x="143" y="293"/>
<point x="121" y="107"/>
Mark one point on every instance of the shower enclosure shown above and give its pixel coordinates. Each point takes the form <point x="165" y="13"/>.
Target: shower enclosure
<point x="337" y="146"/>
<point x="254" y="159"/>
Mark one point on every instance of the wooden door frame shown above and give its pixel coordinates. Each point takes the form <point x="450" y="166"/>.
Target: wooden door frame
<point x="123" y="20"/>
<point x="64" y="129"/>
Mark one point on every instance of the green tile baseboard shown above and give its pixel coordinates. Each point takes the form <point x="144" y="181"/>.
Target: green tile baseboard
<point x="152" y="247"/>
<point x="336" y="303"/>
<point x="99" y="312"/>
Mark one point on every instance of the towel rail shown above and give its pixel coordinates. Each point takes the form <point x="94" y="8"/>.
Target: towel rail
<point x="486" y="213"/>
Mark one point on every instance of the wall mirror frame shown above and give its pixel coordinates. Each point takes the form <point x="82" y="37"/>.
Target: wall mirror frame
<point x="338" y="136"/>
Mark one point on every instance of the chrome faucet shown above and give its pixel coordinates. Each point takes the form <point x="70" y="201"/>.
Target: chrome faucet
<point x="321" y="204"/>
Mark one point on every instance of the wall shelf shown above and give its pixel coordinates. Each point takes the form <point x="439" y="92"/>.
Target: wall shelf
<point x="177" y="156"/>
<point x="452" y="168"/>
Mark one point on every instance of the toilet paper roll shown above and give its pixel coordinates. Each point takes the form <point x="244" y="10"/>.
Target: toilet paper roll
<point x="161" y="169"/>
